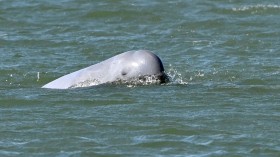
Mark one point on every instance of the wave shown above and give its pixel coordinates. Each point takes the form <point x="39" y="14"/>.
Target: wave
<point x="255" y="8"/>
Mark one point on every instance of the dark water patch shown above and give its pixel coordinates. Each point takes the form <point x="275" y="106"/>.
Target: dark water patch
<point x="123" y="15"/>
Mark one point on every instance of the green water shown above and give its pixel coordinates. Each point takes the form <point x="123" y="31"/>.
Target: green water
<point x="222" y="57"/>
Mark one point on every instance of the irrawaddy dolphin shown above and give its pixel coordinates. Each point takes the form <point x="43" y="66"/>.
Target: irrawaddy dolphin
<point x="130" y="65"/>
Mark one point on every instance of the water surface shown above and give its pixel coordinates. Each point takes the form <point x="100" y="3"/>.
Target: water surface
<point x="222" y="58"/>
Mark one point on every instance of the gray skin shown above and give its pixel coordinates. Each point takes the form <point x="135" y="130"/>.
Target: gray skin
<point x="125" y="66"/>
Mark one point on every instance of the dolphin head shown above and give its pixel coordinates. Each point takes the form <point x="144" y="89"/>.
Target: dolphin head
<point x="140" y="64"/>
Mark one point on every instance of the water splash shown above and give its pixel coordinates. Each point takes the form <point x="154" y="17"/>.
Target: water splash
<point x="87" y="83"/>
<point x="175" y="77"/>
<point x="133" y="82"/>
<point x="38" y="76"/>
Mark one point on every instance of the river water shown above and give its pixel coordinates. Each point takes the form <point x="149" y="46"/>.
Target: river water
<point x="222" y="56"/>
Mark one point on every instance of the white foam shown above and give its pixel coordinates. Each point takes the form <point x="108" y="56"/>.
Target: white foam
<point x="258" y="6"/>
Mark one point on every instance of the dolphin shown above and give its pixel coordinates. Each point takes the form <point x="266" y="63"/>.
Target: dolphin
<point x="130" y="65"/>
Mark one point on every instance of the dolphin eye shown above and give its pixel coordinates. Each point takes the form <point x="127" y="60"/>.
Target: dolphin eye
<point x="124" y="73"/>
